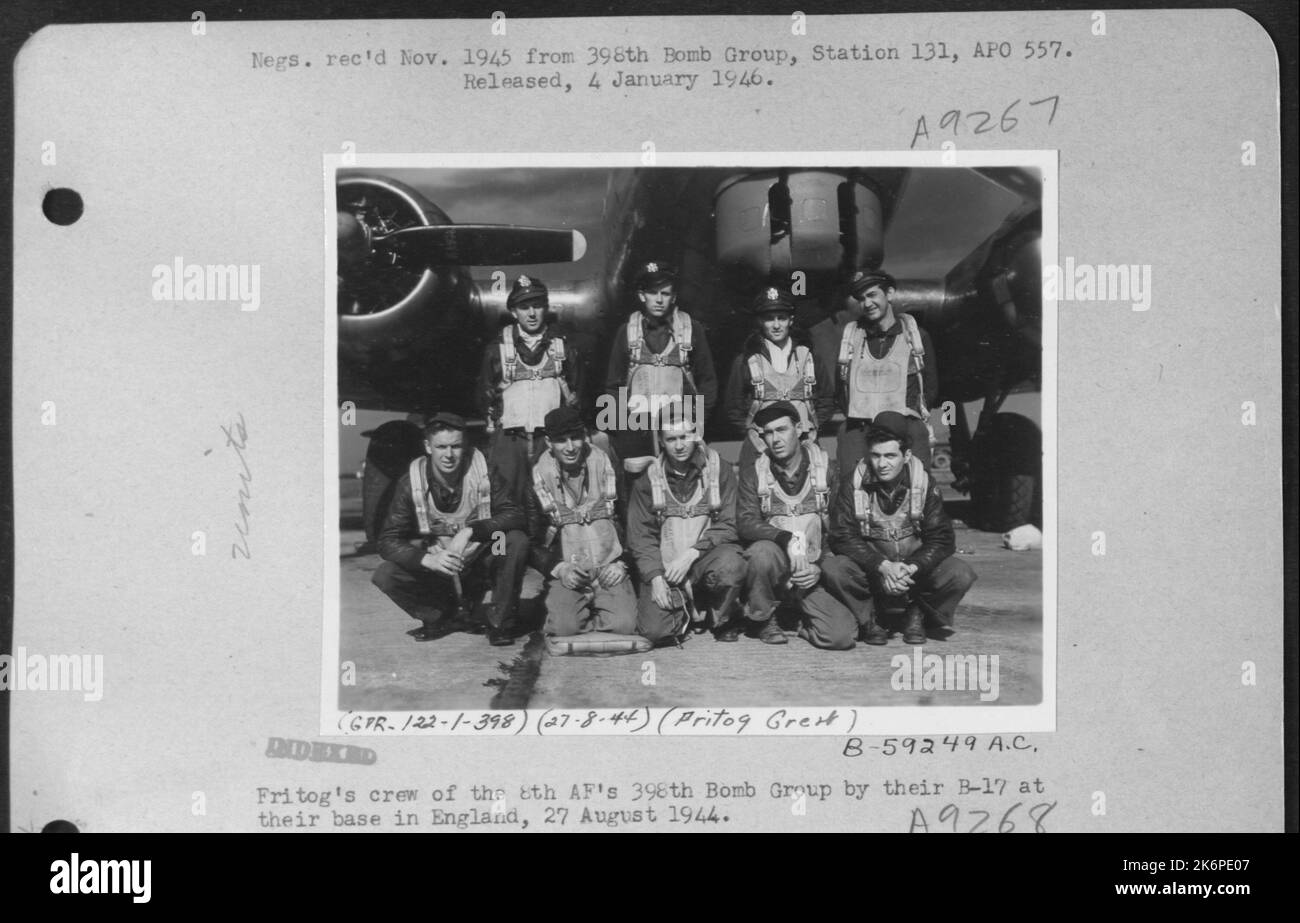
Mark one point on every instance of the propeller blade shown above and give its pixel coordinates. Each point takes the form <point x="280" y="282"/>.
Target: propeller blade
<point x="484" y="244"/>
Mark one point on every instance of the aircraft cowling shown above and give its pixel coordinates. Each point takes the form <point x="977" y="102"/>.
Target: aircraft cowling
<point x="821" y="222"/>
<point x="989" y="324"/>
<point x="386" y="309"/>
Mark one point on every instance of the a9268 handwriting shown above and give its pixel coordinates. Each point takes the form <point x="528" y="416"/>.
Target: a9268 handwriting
<point x="951" y="819"/>
<point x="237" y="439"/>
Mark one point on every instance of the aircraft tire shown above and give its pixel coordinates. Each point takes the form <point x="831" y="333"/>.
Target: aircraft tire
<point x="1007" y="473"/>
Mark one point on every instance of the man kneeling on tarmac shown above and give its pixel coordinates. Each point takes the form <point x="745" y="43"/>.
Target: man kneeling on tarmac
<point x="577" y="491"/>
<point x="783" y="509"/>
<point x="894" y="542"/>
<point x="452" y="529"/>
<point x="681" y="524"/>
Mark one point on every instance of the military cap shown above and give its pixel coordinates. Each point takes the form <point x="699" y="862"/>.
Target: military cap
<point x="863" y="279"/>
<point x="654" y="274"/>
<point x="776" y="411"/>
<point x="772" y="298"/>
<point x="562" y="421"/>
<point x="524" y="290"/>
<point x="891" y="421"/>
<point x="445" y="418"/>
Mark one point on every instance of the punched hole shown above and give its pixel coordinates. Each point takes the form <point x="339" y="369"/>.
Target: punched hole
<point x="63" y="206"/>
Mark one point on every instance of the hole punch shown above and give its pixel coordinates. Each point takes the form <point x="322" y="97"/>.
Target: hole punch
<point x="60" y="826"/>
<point x="63" y="206"/>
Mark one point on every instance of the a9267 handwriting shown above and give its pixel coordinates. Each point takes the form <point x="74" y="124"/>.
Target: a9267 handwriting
<point x="983" y="121"/>
<point x="237" y="439"/>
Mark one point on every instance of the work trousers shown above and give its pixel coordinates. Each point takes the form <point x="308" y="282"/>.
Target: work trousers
<point x="431" y="597"/>
<point x="573" y="612"/>
<point x="512" y="456"/>
<point x="938" y="592"/>
<point x="713" y="573"/>
<point x="825" y="621"/>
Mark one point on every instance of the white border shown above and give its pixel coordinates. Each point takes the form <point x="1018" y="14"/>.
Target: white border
<point x="905" y="721"/>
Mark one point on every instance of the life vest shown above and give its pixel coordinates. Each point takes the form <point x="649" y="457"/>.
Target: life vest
<point x="529" y="392"/>
<point x="876" y="385"/>
<point x="664" y="374"/>
<point x="796" y="384"/>
<point x="682" y="522"/>
<point x="588" y="534"/>
<point x="475" y="500"/>
<point x="896" y="534"/>
<point x="806" y="512"/>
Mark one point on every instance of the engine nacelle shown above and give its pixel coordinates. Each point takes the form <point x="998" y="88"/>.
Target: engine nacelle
<point x="387" y="308"/>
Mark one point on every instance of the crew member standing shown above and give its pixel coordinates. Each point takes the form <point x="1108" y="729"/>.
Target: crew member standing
<point x="776" y="365"/>
<point x="886" y="363"/>
<point x="452" y="529"/>
<point x="577" y="488"/>
<point x="528" y="371"/>
<point x="681" y="524"/>
<point x="894" y="544"/>
<point x="659" y="356"/>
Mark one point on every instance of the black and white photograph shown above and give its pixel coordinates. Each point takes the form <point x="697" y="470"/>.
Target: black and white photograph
<point x="727" y="435"/>
<point x="811" y="420"/>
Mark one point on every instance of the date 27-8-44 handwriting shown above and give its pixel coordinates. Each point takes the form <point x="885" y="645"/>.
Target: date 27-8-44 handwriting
<point x="237" y="439"/>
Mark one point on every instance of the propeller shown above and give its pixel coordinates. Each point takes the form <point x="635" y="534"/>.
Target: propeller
<point x="399" y="254"/>
<point x="480" y="245"/>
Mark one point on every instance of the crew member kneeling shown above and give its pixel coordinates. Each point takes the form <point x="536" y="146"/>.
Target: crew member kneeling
<point x="894" y="543"/>
<point x="783" y="508"/>
<point x="681" y="524"/>
<point x="451" y="529"/>
<point x="577" y="490"/>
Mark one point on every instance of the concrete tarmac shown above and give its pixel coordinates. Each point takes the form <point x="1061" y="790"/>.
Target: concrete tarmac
<point x="1002" y="615"/>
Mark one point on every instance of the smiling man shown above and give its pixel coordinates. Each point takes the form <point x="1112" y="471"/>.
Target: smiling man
<point x="894" y="542"/>
<point x="681" y="524"/>
<point x="783" y="511"/>
<point x="577" y="490"/>
<point x="452" y="530"/>
<point x="886" y="363"/>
